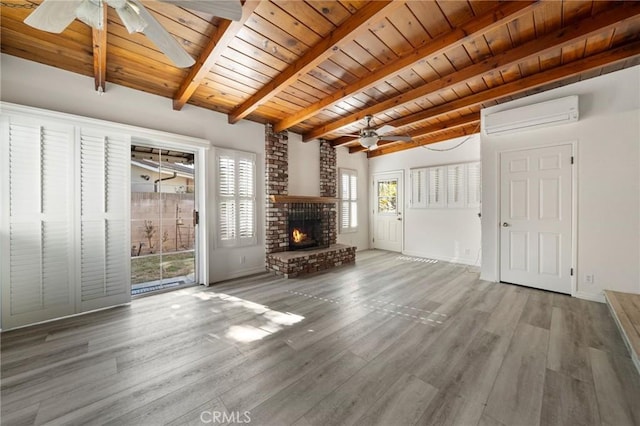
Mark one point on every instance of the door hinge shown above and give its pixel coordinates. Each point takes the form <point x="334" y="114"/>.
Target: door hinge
<point x="373" y="240"/>
<point x="572" y="159"/>
<point x="196" y="217"/>
<point x="571" y="271"/>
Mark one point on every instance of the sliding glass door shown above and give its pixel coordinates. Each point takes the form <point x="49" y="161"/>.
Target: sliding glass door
<point x="163" y="225"/>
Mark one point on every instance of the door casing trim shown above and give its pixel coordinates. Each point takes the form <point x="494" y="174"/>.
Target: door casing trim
<point x="372" y="197"/>
<point x="574" y="207"/>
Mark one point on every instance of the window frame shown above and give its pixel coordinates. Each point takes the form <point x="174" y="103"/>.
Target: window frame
<point x="238" y="240"/>
<point x="456" y="185"/>
<point x="469" y="173"/>
<point x="351" y="200"/>
<point x="418" y="180"/>
<point x="441" y="193"/>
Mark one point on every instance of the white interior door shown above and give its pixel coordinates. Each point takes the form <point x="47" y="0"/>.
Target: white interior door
<point x="387" y="211"/>
<point x="535" y="218"/>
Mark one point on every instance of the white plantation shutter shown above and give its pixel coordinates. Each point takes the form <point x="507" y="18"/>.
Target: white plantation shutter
<point x="117" y="196"/>
<point x="349" y="200"/>
<point x="451" y="186"/>
<point x="37" y="283"/>
<point x="246" y="198"/>
<point x="246" y="219"/>
<point x="235" y="171"/>
<point x="245" y="178"/>
<point x="474" y="194"/>
<point x="104" y="251"/>
<point x="345" y="212"/>
<point x="227" y="218"/>
<point x="57" y="248"/>
<point x="354" y="199"/>
<point x="226" y="176"/>
<point x="227" y="201"/>
<point x="455" y="185"/>
<point x="436" y="187"/>
<point x="418" y="188"/>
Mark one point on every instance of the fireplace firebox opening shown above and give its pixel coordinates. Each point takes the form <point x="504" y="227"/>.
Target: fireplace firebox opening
<point x="308" y="226"/>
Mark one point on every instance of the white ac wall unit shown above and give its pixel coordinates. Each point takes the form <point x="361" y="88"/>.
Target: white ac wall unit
<point x="549" y="113"/>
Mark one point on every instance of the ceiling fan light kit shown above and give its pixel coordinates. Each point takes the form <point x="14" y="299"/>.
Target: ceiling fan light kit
<point x="369" y="136"/>
<point x="369" y="140"/>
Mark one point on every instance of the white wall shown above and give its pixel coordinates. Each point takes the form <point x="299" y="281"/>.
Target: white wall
<point x="360" y="164"/>
<point x="29" y="83"/>
<point x="444" y="234"/>
<point x="608" y="170"/>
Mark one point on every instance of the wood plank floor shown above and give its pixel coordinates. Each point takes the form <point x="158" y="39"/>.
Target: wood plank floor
<point x="389" y="341"/>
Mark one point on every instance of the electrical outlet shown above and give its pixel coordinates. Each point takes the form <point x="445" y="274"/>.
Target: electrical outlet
<point x="588" y="278"/>
<point x="242" y="260"/>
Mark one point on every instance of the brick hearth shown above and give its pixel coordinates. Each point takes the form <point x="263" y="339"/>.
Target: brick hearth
<point x="278" y="259"/>
<point x="293" y="263"/>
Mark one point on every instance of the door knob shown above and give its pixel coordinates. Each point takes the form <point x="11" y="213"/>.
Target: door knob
<point x="505" y="225"/>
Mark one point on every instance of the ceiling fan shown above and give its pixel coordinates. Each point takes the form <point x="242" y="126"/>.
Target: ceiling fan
<point x="55" y="15"/>
<point x="369" y="136"/>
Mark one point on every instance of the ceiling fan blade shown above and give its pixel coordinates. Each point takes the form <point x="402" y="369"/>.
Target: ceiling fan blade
<point x="53" y="15"/>
<point x="395" y="138"/>
<point x="385" y="129"/>
<point x="228" y="9"/>
<point x="163" y="40"/>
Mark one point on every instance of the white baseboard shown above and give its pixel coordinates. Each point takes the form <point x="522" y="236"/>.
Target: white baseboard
<point x="594" y="297"/>
<point x="461" y="260"/>
<point x="77" y="314"/>
<point x="238" y="274"/>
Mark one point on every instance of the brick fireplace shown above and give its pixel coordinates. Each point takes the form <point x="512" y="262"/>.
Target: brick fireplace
<point x="316" y="217"/>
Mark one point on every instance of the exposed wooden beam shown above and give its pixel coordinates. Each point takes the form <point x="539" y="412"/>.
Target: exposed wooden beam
<point x="475" y="26"/>
<point x="99" y="40"/>
<point x="371" y="13"/>
<point x="610" y="57"/>
<point x="439" y="137"/>
<point x="558" y="39"/>
<point x="465" y="120"/>
<point x="226" y="32"/>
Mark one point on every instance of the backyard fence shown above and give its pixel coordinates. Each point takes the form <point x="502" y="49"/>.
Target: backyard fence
<point x="161" y="220"/>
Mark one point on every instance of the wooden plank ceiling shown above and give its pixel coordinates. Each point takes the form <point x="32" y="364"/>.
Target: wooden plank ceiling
<point x="318" y="67"/>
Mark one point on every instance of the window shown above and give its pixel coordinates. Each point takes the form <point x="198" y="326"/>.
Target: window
<point x="348" y="200"/>
<point x="418" y="188"/>
<point x="387" y="196"/>
<point x="436" y="187"/>
<point x="455" y="185"/>
<point x="451" y="186"/>
<point x="473" y="185"/>
<point x="236" y="198"/>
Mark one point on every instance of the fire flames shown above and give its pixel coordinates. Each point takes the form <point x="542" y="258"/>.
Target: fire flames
<point x="298" y="236"/>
